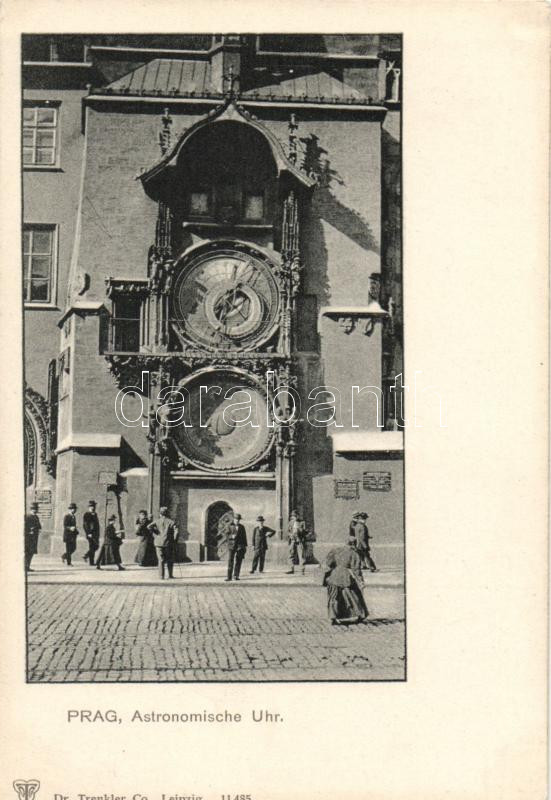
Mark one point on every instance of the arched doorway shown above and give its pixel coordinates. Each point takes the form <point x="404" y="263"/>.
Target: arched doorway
<point x="30" y="454"/>
<point x="218" y="517"/>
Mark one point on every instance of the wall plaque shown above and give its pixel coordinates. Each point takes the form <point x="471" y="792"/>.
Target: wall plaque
<point x="44" y="499"/>
<point x="346" y="489"/>
<point x="377" y="481"/>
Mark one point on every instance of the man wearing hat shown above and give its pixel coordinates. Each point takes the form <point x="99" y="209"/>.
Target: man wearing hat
<point x="90" y="523"/>
<point x="70" y="533"/>
<point x="297" y="542"/>
<point x="261" y="533"/>
<point x="164" y="532"/>
<point x="237" y="546"/>
<point x="359" y="530"/>
<point x="32" y="532"/>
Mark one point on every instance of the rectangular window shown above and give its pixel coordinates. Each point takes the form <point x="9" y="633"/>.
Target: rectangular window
<point x="254" y="206"/>
<point x="40" y="135"/>
<point x="39" y="257"/>
<point x="125" y="324"/>
<point x="199" y="205"/>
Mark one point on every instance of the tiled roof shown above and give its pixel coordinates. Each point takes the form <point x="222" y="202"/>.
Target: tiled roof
<point x="166" y="76"/>
<point x="174" y="77"/>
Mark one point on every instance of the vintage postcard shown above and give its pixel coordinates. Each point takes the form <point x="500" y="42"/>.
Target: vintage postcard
<point x="221" y="397"/>
<point x="274" y="302"/>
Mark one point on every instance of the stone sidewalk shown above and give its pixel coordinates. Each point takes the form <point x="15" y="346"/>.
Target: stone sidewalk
<point x="206" y="630"/>
<point x="46" y="570"/>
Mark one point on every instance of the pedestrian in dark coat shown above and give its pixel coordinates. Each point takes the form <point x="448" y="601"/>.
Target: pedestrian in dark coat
<point x="164" y="532"/>
<point x="90" y="523"/>
<point x="237" y="547"/>
<point x="32" y="532"/>
<point x="344" y="581"/>
<point x="70" y="533"/>
<point x="110" y="552"/>
<point x="146" y="555"/>
<point x="261" y="533"/>
<point x="359" y="530"/>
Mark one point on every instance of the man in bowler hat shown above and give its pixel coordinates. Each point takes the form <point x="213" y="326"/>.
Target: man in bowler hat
<point x="237" y="546"/>
<point x="164" y="532"/>
<point x="70" y="533"/>
<point x="261" y="533"/>
<point x="32" y="532"/>
<point x="90" y="523"/>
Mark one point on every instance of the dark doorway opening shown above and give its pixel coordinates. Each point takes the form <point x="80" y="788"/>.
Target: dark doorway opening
<point x="219" y="516"/>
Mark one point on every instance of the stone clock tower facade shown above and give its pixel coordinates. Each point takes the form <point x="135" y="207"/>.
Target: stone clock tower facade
<point x="232" y="324"/>
<point x="217" y="322"/>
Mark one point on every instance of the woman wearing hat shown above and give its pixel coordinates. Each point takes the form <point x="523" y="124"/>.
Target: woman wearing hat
<point x="110" y="549"/>
<point x="146" y="555"/>
<point x="344" y="581"/>
<point x="360" y="532"/>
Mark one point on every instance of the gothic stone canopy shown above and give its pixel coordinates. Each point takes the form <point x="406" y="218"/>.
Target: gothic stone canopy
<point x="156" y="176"/>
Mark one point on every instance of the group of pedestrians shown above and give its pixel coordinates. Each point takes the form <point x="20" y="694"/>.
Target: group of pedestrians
<point x="342" y="571"/>
<point x="158" y="538"/>
<point x="109" y="552"/>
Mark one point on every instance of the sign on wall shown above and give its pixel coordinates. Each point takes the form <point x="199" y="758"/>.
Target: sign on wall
<point x="44" y="499"/>
<point x="377" y="481"/>
<point x="347" y="489"/>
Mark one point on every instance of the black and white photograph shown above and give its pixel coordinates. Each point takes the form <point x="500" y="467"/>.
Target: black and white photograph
<point x="213" y="357"/>
<point x="274" y="313"/>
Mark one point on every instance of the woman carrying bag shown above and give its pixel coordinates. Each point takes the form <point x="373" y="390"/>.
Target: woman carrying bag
<point x="344" y="582"/>
<point x="110" y="549"/>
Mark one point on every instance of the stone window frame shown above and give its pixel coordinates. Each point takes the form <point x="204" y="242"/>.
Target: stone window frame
<point x="32" y="227"/>
<point x="213" y="191"/>
<point x="35" y="127"/>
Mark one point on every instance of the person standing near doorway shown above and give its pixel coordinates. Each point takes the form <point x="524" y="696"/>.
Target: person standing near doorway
<point x="261" y="533"/>
<point x="164" y="538"/>
<point x="32" y="532"/>
<point x="70" y="533"/>
<point x="237" y="547"/>
<point x="90" y="523"/>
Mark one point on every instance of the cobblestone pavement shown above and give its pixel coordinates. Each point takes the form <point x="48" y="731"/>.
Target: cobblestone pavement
<point x="207" y="633"/>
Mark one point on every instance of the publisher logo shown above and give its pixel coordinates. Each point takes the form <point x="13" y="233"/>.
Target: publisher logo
<point x="26" y="790"/>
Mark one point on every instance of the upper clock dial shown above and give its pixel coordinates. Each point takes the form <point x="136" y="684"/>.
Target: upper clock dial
<point x="226" y="300"/>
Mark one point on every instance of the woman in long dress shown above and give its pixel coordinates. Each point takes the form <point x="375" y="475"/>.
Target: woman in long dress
<point x="110" y="549"/>
<point x="146" y="555"/>
<point x="344" y="581"/>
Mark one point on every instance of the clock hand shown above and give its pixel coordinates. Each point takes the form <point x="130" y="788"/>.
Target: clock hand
<point x="244" y="277"/>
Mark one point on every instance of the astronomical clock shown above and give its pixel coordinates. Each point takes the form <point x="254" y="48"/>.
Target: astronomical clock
<point x="227" y="428"/>
<point x="216" y="317"/>
<point x="226" y="298"/>
<point x="225" y="308"/>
